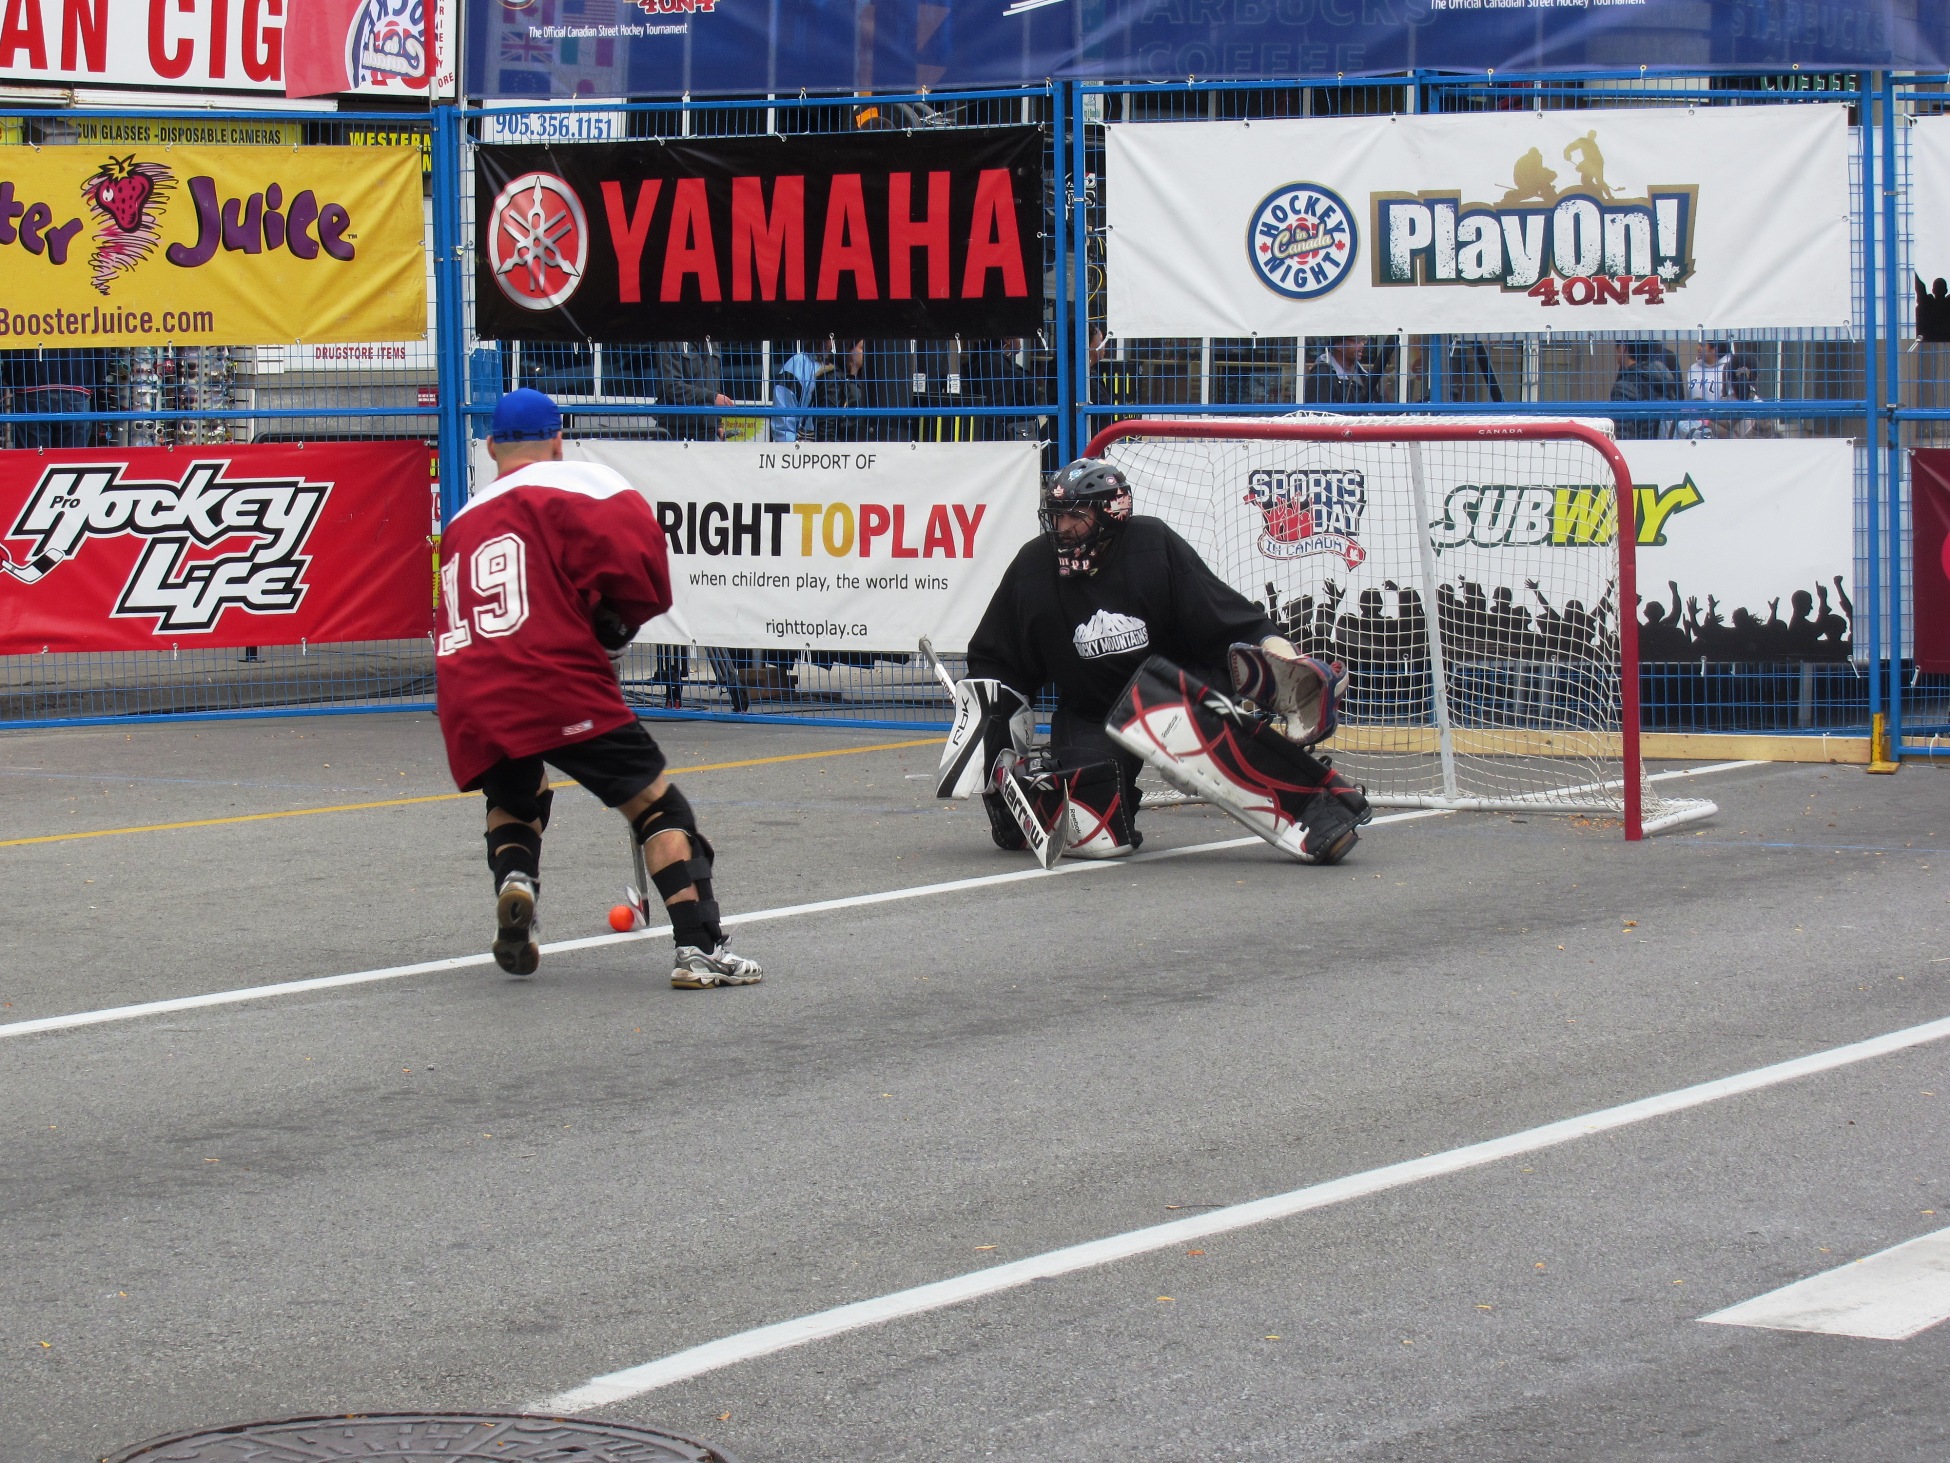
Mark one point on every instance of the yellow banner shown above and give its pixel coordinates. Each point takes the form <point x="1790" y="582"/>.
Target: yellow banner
<point x="167" y="245"/>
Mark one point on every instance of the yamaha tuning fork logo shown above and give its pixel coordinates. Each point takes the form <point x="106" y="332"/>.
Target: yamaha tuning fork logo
<point x="1302" y="241"/>
<point x="538" y="241"/>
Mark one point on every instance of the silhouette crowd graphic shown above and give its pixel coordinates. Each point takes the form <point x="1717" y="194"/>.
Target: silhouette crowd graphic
<point x="1498" y="625"/>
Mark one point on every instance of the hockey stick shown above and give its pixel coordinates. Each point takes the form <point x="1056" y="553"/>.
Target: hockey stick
<point x="934" y="663"/>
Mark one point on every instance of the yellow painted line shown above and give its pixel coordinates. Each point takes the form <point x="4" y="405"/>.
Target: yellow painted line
<point x="447" y="797"/>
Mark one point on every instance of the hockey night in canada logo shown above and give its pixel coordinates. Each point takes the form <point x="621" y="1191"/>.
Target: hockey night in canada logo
<point x="1306" y="511"/>
<point x="1585" y="243"/>
<point x="76" y="502"/>
<point x="1301" y="240"/>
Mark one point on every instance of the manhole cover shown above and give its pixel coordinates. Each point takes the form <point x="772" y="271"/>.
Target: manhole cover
<point x="436" y="1437"/>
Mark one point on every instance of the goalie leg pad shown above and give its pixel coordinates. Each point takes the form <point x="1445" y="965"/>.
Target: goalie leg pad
<point x="990" y="719"/>
<point x="1101" y="821"/>
<point x="1202" y="743"/>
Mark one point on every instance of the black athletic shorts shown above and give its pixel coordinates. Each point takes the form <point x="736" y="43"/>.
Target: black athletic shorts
<point x="615" y="766"/>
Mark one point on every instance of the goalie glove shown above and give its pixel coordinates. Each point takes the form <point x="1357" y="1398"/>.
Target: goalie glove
<point x="1303" y="689"/>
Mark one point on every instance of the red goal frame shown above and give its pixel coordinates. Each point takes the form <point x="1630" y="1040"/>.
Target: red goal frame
<point x="1490" y="429"/>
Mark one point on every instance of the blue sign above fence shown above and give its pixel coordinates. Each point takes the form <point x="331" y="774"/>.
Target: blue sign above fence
<point x="613" y="48"/>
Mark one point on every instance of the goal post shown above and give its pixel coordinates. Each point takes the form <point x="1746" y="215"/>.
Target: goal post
<point x="1477" y="576"/>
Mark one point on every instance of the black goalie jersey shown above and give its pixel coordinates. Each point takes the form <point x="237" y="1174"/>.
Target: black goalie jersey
<point x="1153" y="595"/>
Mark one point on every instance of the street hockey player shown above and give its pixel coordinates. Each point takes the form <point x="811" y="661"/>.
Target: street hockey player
<point x="1123" y="616"/>
<point x="545" y="577"/>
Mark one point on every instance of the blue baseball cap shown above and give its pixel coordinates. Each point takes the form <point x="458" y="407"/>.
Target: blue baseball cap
<point x="525" y="415"/>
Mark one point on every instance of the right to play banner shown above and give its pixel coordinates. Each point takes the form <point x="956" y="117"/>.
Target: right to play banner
<point x="1654" y="220"/>
<point x="827" y="545"/>
<point x="1930" y="513"/>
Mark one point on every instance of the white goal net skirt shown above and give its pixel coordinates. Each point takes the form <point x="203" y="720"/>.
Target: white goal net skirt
<point x="1469" y="573"/>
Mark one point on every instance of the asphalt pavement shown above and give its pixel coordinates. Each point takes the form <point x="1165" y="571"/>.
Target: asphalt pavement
<point x="449" y="1190"/>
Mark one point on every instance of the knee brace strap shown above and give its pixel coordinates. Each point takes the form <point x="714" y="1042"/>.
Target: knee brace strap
<point x="514" y="848"/>
<point x="533" y="809"/>
<point x="672" y="810"/>
<point x="673" y="879"/>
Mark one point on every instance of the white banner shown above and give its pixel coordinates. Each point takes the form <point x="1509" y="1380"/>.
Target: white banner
<point x="1655" y="219"/>
<point x="828" y="545"/>
<point x="1753" y="533"/>
<point x="1929" y="173"/>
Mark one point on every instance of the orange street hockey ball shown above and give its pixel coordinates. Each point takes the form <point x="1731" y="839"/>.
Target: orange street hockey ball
<point x="622" y="919"/>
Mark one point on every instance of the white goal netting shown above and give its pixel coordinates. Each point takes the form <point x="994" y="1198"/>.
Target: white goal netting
<point x="1470" y="585"/>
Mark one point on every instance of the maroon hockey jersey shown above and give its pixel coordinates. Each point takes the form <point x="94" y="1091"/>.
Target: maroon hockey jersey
<point x="523" y="567"/>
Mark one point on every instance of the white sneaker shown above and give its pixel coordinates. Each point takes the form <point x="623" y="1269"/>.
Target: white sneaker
<point x="515" y="949"/>
<point x="696" y="970"/>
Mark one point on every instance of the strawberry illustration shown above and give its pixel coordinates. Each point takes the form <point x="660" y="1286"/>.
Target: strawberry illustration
<point x="124" y="198"/>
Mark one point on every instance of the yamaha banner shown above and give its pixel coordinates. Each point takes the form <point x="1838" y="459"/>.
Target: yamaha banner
<point x="149" y="548"/>
<point x="930" y="234"/>
<point x="608" y="48"/>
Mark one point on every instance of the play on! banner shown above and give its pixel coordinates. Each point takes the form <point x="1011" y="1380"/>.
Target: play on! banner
<point x="166" y="245"/>
<point x="149" y="548"/>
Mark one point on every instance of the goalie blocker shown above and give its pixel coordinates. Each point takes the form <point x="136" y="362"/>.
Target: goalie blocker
<point x="1205" y="745"/>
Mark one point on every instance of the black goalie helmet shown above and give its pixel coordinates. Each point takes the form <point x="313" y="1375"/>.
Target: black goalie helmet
<point x="1103" y="494"/>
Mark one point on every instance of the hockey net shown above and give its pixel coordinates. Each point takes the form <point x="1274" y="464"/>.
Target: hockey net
<point x="1468" y="571"/>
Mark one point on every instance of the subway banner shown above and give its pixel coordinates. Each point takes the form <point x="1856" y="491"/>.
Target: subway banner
<point x="1655" y="220"/>
<point x="913" y="234"/>
<point x="827" y="545"/>
<point x="185" y="245"/>
<point x="154" y="548"/>
<point x="1745" y="547"/>
<point x="1930" y="509"/>
<point x="1929" y="173"/>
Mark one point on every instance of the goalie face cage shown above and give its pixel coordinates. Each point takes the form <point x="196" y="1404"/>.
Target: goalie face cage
<point x="1467" y="571"/>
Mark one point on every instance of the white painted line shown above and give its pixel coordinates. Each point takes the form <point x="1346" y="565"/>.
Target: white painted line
<point x="619" y="1386"/>
<point x="1889" y="1296"/>
<point x="1702" y="771"/>
<point x="590" y="942"/>
<point x="561" y="947"/>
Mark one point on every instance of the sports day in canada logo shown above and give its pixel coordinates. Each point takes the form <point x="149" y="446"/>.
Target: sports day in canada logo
<point x="538" y="241"/>
<point x="76" y="502"/>
<point x="1306" y="511"/>
<point x="1302" y="240"/>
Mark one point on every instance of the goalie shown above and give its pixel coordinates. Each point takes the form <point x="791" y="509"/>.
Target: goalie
<point x="1124" y="617"/>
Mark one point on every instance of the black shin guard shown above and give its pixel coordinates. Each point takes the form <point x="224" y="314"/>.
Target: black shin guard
<point x="514" y="848"/>
<point x="692" y="921"/>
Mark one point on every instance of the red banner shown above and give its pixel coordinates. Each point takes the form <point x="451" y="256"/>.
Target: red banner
<point x="145" y="548"/>
<point x="1930" y="510"/>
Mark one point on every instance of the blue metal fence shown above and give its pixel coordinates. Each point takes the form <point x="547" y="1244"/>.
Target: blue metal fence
<point x="1056" y="389"/>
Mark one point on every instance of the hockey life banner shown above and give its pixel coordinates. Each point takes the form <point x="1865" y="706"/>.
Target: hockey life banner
<point x="1720" y="218"/>
<point x="150" y="548"/>
<point x="374" y="48"/>
<point x="1929" y="175"/>
<point x="566" y="48"/>
<point x="1757" y="537"/>
<point x="827" y="545"/>
<point x="925" y="234"/>
<point x="164" y="245"/>
<point x="1930" y="510"/>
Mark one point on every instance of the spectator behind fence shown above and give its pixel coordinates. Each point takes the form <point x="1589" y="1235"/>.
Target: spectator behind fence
<point x="1709" y="379"/>
<point x="1339" y="375"/>
<point x="996" y="372"/>
<point x="51" y="381"/>
<point x="1643" y="375"/>
<point x="797" y="385"/>
<point x="869" y="376"/>
<point x="690" y="373"/>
